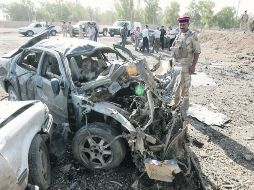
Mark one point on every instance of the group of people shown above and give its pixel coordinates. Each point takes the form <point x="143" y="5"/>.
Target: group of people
<point x="90" y="30"/>
<point x="67" y="29"/>
<point x="143" y="38"/>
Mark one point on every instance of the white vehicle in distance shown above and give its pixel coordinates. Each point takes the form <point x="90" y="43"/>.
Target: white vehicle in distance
<point x="25" y="129"/>
<point x="37" y="27"/>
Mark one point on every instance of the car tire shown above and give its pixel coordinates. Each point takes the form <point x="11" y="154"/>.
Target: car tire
<point x="13" y="95"/>
<point x="39" y="163"/>
<point x="53" y="33"/>
<point x="105" y="33"/>
<point x="112" y="35"/>
<point x="89" y="147"/>
<point x="29" y="33"/>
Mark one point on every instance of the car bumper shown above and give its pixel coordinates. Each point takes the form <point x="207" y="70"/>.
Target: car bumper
<point x="22" y="32"/>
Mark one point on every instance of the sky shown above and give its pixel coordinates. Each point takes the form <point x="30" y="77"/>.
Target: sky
<point x="219" y="4"/>
<point x="104" y="5"/>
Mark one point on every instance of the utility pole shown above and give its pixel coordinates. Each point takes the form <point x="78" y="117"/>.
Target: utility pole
<point x="237" y="11"/>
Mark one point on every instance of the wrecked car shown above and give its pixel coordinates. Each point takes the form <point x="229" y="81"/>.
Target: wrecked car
<point x="25" y="129"/>
<point x="112" y="102"/>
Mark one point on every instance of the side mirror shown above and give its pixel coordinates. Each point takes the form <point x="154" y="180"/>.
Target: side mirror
<point x="55" y="85"/>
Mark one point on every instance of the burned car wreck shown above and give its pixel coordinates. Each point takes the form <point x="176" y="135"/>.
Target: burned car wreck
<point x="110" y="102"/>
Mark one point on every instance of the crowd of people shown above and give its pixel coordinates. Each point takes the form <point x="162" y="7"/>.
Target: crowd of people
<point x="90" y="31"/>
<point x="154" y="38"/>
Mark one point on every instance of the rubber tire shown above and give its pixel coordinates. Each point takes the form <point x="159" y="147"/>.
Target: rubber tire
<point x="105" y="32"/>
<point x="108" y="133"/>
<point x="112" y="35"/>
<point x="29" y="33"/>
<point x="53" y="33"/>
<point x="10" y="88"/>
<point x="35" y="165"/>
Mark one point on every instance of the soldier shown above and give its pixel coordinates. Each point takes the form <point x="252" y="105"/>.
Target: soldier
<point x="64" y="29"/>
<point x="185" y="51"/>
<point x="124" y="34"/>
<point x="70" y="29"/>
<point x="244" y="22"/>
<point x="156" y="45"/>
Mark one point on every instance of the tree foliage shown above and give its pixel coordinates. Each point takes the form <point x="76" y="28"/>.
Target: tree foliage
<point x="124" y="9"/>
<point x="20" y="11"/>
<point x="206" y="12"/>
<point x="193" y="12"/>
<point x="226" y="17"/>
<point x="151" y="11"/>
<point x="171" y="13"/>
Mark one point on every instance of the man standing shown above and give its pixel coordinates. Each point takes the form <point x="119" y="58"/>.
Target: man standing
<point x="145" y="34"/>
<point x="90" y="31"/>
<point x="156" y="34"/>
<point x="124" y="34"/>
<point x="64" y="29"/>
<point x="185" y="51"/>
<point x="70" y="29"/>
<point x="163" y="32"/>
<point x="244" y="22"/>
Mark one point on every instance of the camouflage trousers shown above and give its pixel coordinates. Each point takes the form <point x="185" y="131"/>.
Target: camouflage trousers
<point x="183" y="93"/>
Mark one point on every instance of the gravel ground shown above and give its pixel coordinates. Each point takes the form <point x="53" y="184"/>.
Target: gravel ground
<point x="225" y="154"/>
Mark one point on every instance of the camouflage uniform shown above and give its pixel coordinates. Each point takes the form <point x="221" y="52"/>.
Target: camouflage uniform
<point x="183" y="49"/>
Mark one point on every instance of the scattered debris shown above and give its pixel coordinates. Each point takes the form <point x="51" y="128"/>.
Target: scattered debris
<point x="248" y="157"/>
<point x="201" y="79"/>
<point x="208" y="117"/>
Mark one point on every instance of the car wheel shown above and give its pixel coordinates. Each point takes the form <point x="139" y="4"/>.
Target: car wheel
<point x="112" y="34"/>
<point x="91" y="147"/>
<point x="53" y="33"/>
<point x="13" y="96"/>
<point x="39" y="163"/>
<point x="30" y="33"/>
<point x="105" y="32"/>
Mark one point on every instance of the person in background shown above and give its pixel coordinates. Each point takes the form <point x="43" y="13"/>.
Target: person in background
<point x="124" y="34"/>
<point x="96" y="31"/>
<point x="163" y="32"/>
<point x="244" y="22"/>
<point x="145" y="35"/>
<point x="64" y="29"/>
<point x="70" y="29"/>
<point x="137" y="37"/>
<point x="156" y="44"/>
<point x="90" y="31"/>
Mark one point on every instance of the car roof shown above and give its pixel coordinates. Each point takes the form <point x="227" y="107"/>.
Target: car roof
<point x="69" y="46"/>
<point x="8" y="108"/>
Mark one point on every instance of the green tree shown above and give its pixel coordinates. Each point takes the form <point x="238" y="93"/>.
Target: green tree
<point x="124" y="9"/>
<point x="151" y="11"/>
<point x="193" y="12"/>
<point x="20" y="11"/>
<point x="206" y="12"/>
<point x="226" y="17"/>
<point x="171" y="13"/>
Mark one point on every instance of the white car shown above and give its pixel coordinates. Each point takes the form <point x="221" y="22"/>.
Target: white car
<point x="35" y="28"/>
<point x="25" y="129"/>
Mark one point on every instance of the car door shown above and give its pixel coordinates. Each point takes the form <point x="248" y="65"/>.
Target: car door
<point x="51" y="67"/>
<point x="27" y="69"/>
<point x="38" y="28"/>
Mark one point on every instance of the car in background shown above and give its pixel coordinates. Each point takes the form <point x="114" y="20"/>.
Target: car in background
<point x="25" y="129"/>
<point x="37" y="27"/>
<point x="118" y="26"/>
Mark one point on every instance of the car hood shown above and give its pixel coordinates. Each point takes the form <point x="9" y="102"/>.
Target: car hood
<point x="8" y="108"/>
<point x="43" y="35"/>
<point x="115" y="27"/>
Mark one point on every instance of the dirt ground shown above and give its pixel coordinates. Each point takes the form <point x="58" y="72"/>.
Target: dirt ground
<point x="225" y="154"/>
